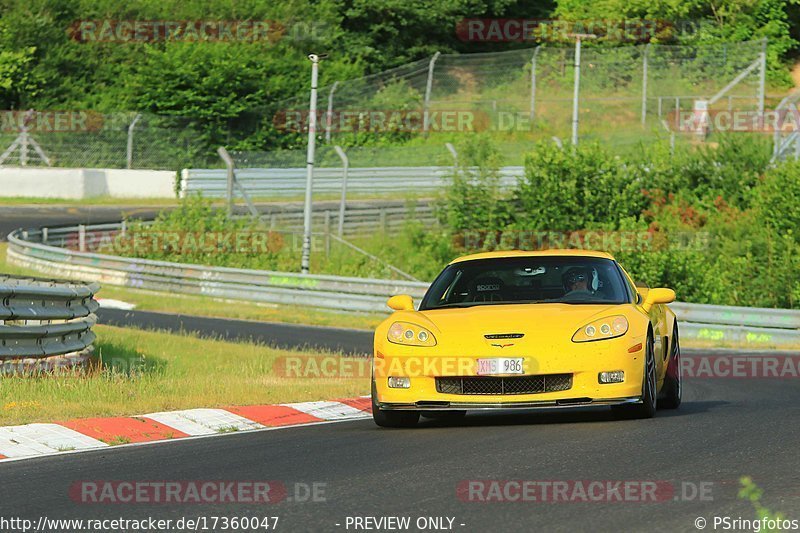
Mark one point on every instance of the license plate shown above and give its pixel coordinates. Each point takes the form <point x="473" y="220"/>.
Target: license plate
<point x="500" y="365"/>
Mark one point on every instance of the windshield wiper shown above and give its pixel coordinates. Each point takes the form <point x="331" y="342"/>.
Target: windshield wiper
<point x="461" y="304"/>
<point x="504" y="302"/>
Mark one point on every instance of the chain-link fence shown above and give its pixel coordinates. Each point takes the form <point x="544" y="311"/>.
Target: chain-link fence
<point x="627" y="95"/>
<point x="86" y="139"/>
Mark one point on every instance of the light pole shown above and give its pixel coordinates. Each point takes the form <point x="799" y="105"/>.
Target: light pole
<point x="312" y="137"/>
<point x="130" y="139"/>
<point x="575" y="98"/>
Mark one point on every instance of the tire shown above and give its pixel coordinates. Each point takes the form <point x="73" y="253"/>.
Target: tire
<point x="673" y="381"/>
<point x="646" y="409"/>
<point x="392" y="419"/>
<point x="444" y="415"/>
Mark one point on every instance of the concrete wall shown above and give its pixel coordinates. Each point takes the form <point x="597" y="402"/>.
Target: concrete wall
<point x="79" y="183"/>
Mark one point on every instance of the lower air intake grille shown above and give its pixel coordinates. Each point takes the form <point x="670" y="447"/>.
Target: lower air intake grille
<point x="505" y="385"/>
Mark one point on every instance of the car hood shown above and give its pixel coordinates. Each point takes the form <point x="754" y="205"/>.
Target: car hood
<point x="541" y="324"/>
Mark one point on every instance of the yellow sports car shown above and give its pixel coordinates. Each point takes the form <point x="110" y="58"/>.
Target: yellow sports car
<point x="499" y="330"/>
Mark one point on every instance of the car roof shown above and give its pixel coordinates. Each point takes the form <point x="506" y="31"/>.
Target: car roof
<point x="536" y="253"/>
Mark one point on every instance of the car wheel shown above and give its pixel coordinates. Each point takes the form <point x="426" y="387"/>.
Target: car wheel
<point x="444" y="415"/>
<point x="392" y="419"/>
<point x="647" y="408"/>
<point x="673" y="381"/>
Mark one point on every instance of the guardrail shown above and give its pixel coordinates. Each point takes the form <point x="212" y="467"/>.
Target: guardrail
<point x="757" y="327"/>
<point x="331" y="292"/>
<point x="45" y="323"/>
<point x="750" y="325"/>
<point x="356" y="219"/>
<point x="292" y="181"/>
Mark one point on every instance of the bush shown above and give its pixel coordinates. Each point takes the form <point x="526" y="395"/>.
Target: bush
<point x="779" y="200"/>
<point x="195" y="232"/>
<point x="730" y="169"/>
<point x="473" y="199"/>
<point x="721" y="225"/>
<point x="571" y="189"/>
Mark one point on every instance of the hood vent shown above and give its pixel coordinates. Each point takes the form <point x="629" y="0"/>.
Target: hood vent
<point x="494" y="336"/>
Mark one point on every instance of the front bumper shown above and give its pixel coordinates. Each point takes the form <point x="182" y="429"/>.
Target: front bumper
<point x="584" y="361"/>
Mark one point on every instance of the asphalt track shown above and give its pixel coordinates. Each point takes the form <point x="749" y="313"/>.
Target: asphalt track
<point x="725" y="429"/>
<point x="291" y="336"/>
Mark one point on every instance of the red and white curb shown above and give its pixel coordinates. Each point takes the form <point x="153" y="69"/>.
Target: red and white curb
<point x="34" y="440"/>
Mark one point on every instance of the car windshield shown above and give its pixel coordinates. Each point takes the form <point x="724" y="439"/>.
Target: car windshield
<point x="525" y="280"/>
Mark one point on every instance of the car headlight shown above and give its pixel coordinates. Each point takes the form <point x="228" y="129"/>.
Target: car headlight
<point x="410" y="335"/>
<point x="604" y="328"/>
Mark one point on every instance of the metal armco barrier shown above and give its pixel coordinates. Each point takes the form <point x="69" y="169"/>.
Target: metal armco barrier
<point x="781" y="319"/>
<point x="356" y="220"/>
<point x="42" y="319"/>
<point x="261" y="182"/>
<point x="757" y="327"/>
<point x="750" y="325"/>
<point x="331" y="292"/>
<point x="754" y="336"/>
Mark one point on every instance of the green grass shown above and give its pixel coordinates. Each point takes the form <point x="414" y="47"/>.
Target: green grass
<point x="137" y="372"/>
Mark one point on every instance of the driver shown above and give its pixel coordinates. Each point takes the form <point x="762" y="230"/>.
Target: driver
<point x="576" y="280"/>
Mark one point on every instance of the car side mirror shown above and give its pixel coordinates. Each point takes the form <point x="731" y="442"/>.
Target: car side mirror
<point x="642" y="292"/>
<point x="641" y="289"/>
<point x="401" y="302"/>
<point x="658" y="296"/>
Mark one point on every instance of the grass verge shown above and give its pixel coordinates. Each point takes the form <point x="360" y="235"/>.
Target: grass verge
<point x="138" y="372"/>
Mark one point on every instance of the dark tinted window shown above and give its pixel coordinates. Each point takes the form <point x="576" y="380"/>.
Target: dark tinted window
<point x="512" y="280"/>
